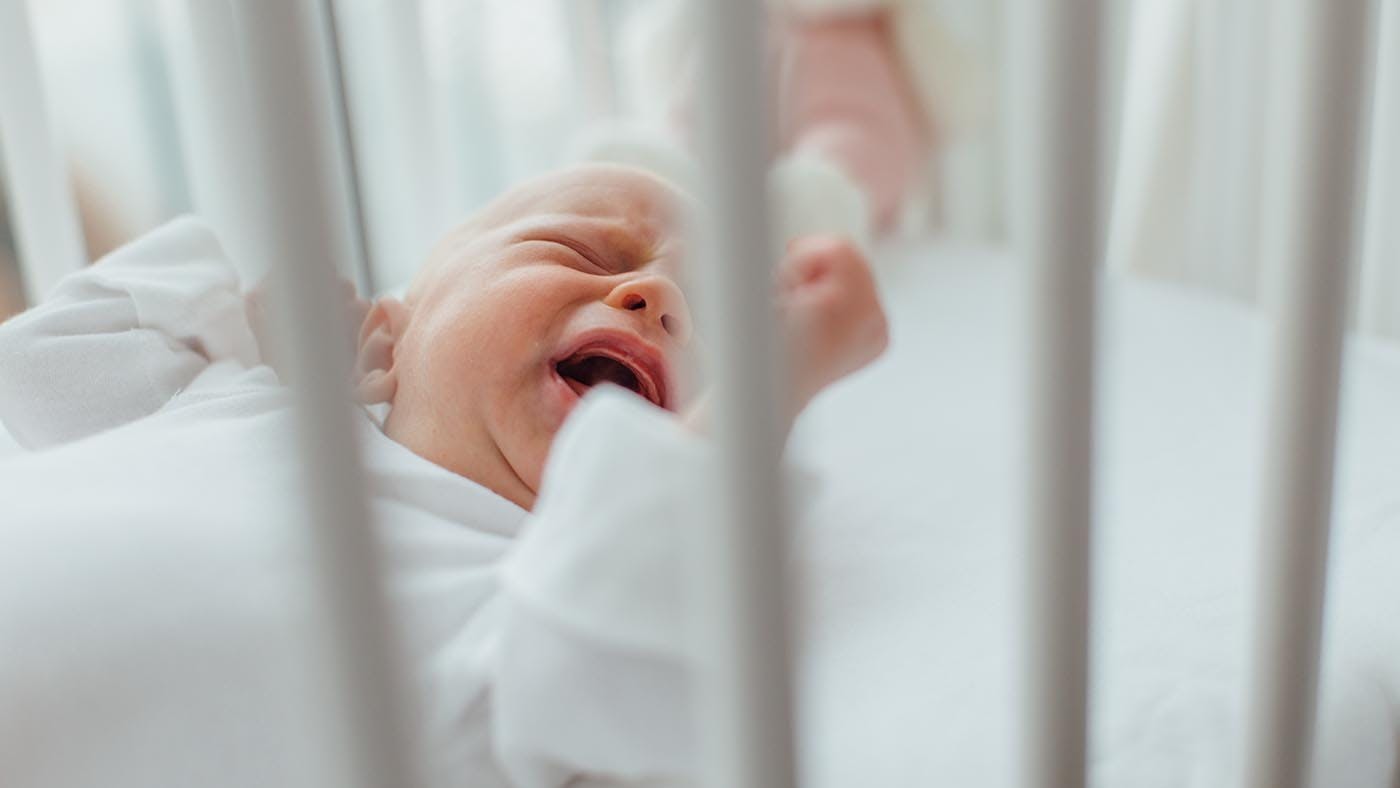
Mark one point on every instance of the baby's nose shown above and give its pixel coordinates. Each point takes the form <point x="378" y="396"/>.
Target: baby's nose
<point x="659" y="299"/>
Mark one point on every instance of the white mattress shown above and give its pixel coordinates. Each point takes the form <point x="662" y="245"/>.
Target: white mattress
<point x="919" y="651"/>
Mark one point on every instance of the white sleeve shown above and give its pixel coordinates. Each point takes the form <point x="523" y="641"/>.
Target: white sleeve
<point x="115" y="341"/>
<point x="591" y="674"/>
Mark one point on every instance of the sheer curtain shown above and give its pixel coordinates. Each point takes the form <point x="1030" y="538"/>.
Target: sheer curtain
<point x="1197" y="158"/>
<point x="451" y="100"/>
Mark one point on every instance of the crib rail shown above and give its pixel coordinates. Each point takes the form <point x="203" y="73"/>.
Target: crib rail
<point x="212" y="103"/>
<point x="1379" y="281"/>
<point x="1062" y="245"/>
<point x="298" y="215"/>
<point x="42" y="205"/>
<point x="396" y="149"/>
<point x="1312" y="230"/>
<point x="745" y="692"/>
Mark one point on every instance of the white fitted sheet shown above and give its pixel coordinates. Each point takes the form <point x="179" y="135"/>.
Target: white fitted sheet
<point x="918" y="651"/>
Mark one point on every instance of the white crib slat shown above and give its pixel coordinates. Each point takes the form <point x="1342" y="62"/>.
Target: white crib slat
<point x="42" y="205"/>
<point x="1062" y="236"/>
<point x="214" y="114"/>
<point x="347" y="161"/>
<point x="296" y="213"/>
<point x="397" y="141"/>
<point x="1380" y="258"/>
<point x="214" y="122"/>
<point x="745" y="695"/>
<point x="1326" y="40"/>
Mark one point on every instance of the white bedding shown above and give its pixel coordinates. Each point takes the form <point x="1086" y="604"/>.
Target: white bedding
<point x="919" y="651"/>
<point x="912" y="620"/>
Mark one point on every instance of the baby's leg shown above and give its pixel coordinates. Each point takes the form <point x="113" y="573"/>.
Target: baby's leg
<point x="844" y="97"/>
<point x="841" y="93"/>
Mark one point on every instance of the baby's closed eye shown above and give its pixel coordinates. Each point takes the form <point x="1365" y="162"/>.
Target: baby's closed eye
<point x="580" y="255"/>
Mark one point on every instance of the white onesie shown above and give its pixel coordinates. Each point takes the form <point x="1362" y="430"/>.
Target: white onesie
<point x="150" y="543"/>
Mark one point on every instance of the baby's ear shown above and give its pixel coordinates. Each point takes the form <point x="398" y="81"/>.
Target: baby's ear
<point x="376" y="379"/>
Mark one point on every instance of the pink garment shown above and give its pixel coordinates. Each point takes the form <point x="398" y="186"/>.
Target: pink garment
<point x="843" y="96"/>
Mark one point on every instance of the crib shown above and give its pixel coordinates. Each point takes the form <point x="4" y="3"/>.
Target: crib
<point x="292" y="186"/>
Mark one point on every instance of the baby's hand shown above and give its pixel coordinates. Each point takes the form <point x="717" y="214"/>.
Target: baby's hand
<point x="830" y="317"/>
<point x="830" y="314"/>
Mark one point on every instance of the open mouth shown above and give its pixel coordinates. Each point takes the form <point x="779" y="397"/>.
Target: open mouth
<point x="612" y="361"/>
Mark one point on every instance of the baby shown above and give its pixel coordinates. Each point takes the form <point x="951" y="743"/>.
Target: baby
<point x="533" y="528"/>
<point x="567" y="282"/>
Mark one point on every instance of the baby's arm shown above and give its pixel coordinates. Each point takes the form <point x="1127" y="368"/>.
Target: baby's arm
<point x="592" y="676"/>
<point x="115" y="341"/>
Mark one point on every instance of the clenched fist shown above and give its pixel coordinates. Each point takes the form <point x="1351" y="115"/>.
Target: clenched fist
<point x="830" y="314"/>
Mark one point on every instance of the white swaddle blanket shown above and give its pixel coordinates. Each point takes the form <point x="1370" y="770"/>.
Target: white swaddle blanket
<point x="156" y="615"/>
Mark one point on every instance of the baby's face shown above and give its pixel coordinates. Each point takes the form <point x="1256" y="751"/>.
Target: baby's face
<point x="562" y="284"/>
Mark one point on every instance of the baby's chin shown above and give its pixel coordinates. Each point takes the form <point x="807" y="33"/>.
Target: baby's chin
<point x="526" y="451"/>
<point x="529" y="454"/>
<point x="529" y="469"/>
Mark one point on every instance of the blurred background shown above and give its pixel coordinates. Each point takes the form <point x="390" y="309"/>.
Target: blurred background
<point x="450" y="100"/>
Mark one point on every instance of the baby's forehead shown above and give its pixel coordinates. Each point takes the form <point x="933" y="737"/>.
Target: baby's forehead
<point x="606" y="196"/>
<point x="628" y="210"/>
<point x="629" y="214"/>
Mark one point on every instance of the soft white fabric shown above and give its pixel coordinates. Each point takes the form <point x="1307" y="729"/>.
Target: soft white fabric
<point x="812" y="195"/>
<point x="151" y="625"/>
<point x="97" y="336"/>
<point x="8" y="444"/>
<point x="612" y="665"/>
<point x="915" y="648"/>
<point x="155" y="611"/>
<point x="156" y="619"/>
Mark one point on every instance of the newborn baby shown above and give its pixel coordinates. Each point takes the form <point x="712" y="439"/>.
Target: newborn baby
<point x="567" y="282"/>
<point x="533" y="527"/>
